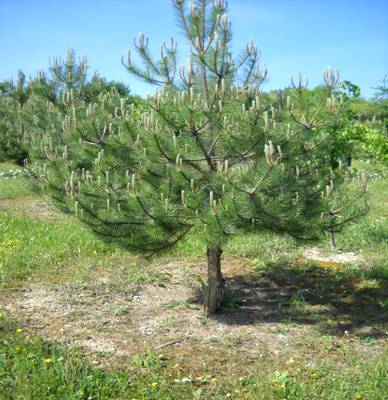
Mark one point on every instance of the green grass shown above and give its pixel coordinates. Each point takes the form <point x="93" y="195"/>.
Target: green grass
<point x="332" y="301"/>
<point x="6" y="166"/>
<point x="31" y="369"/>
<point x="370" y="231"/>
<point x="16" y="187"/>
<point x="265" y="245"/>
<point x="30" y="245"/>
<point x="369" y="235"/>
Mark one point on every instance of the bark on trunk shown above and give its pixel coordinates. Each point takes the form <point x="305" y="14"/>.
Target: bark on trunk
<point x="215" y="283"/>
<point x="333" y="245"/>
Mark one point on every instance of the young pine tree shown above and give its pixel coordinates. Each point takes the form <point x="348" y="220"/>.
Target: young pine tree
<point x="208" y="156"/>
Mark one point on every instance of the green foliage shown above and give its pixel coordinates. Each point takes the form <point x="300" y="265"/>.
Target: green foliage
<point x="38" y="102"/>
<point x="12" y="132"/>
<point x="362" y="122"/>
<point x="97" y="86"/>
<point x="374" y="142"/>
<point x="350" y="89"/>
<point x="381" y="93"/>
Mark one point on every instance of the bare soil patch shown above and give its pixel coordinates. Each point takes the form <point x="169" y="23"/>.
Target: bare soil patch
<point x="338" y="257"/>
<point x="34" y="207"/>
<point x="277" y="314"/>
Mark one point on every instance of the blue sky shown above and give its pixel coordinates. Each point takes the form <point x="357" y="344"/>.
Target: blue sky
<point x="293" y="35"/>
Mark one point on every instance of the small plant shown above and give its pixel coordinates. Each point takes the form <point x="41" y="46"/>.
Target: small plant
<point x="179" y="304"/>
<point x="298" y="300"/>
<point x="230" y="302"/>
<point x="150" y="361"/>
<point x="120" y="311"/>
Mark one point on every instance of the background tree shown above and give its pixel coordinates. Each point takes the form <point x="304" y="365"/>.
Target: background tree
<point x="208" y="155"/>
<point x="364" y="132"/>
<point x="361" y="131"/>
<point x="13" y="96"/>
<point x="39" y="104"/>
<point x="381" y="93"/>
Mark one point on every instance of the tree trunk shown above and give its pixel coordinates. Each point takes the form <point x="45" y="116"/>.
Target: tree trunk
<point x="333" y="245"/>
<point x="215" y="283"/>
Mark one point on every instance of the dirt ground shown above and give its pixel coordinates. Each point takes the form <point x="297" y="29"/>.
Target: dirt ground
<point x="111" y="319"/>
<point x="31" y="206"/>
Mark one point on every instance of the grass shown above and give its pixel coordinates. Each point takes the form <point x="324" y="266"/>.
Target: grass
<point x="369" y="234"/>
<point x="333" y="300"/>
<point x="32" y="369"/>
<point x="30" y="245"/>
<point x="15" y="184"/>
<point x="266" y="245"/>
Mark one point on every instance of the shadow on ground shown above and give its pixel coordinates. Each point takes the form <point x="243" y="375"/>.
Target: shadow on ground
<point x="335" y="301"/>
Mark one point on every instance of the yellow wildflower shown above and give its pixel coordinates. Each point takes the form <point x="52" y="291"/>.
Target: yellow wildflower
<point x="154" y="384"/>
<point x="19" y="330"/>
<point x="48" y="360"/>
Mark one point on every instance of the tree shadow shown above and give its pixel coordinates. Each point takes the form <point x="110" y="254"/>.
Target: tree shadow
<point x="334" y="300"/>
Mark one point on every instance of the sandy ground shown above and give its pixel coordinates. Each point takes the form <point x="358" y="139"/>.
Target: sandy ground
<point x="112" y="321"/>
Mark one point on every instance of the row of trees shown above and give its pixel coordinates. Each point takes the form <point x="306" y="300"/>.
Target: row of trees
<point x="19" y="98"/>
<point x="210" y="153"/>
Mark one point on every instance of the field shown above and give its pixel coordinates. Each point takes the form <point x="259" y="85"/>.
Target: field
<point x="81" y="319"/>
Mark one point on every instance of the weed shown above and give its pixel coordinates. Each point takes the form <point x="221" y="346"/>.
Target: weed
<point x="230" y="302"/>
<point x="120" y="311"/>
<point x="180" y="304"/>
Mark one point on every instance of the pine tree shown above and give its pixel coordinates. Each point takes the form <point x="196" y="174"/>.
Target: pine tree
<point x="13" y="96"/>
<point x="46" y="111"/>
<point x="209" y="155"/>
